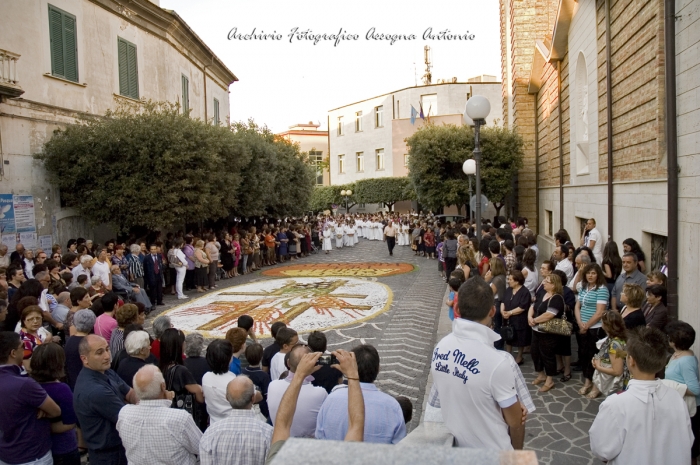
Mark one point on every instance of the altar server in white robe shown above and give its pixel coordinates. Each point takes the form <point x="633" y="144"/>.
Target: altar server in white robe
<point x="327" y="239"/>
<point x="338" y="230"/>
<point x="649" y="422"/>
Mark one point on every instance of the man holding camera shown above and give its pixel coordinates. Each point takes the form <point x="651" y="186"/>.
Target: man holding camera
<point x="385" y="424"/>
<point x="310" y="397"/>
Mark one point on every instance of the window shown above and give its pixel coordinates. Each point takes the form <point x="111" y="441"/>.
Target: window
<point x="429" y="103"/>
<point x="379" y="116"/>
<point x="340" y="125"/>
<point x="185" y="95"/>
<point x="360" y="157"/>
<point x="316" y="158"/>
<point x="128" y="69"/>
<point x="398" y="110"/>
<point x="548" y="223"/>
<point x="380" y="158"/>
<point x="217" y="116"/>
<point x="405" y="159"/>
<point x="64" y="44"/>
<point x="358" y="121"/>
<point x="341" y="164"/>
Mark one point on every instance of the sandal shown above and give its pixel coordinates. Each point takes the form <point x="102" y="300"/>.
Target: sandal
<point x="546" y="387"/>
<point x="539" y="381"/>
<point x="593" y="394"/>
<point x="565" y="378"/>
<point x="584" y="390"/>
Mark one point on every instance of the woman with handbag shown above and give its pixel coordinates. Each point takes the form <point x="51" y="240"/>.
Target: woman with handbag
<point x="592" y="301"/>
<point x="546" y="318"/>
<point x="177" y="377"/>
<point x="514" y="312"/>
<point x="610" y="364"/>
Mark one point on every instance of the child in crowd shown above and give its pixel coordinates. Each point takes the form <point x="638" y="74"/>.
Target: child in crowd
<point x="286" y="338"/>
<point x="454" y="284"/>
<point x="254" y="354"/>
<point x="611" y="373"/>
<point x="649" y="422"/>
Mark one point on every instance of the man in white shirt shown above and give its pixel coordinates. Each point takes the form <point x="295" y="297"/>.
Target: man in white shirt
<point x="593" y="240"/>
<point x="151" y="431"/>
<point x="83" y="268"/>
<point x="310" y="397"/>
<point x="4" y="256"/>
<point x="390" y="236"/>
<point x="474" y="383"/>
<point x="103" y="269"/>
<point x="649" y="422"/>
<point x="561" y="254"/>
<point x="286" y="338"/>
<point x="241" y="437"/>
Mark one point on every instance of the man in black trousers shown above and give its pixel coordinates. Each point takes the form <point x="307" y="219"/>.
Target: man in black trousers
<point x="153" y="275"/>
<point x="390" y="236"/>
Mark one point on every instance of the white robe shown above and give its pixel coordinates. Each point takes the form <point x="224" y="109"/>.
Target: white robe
<point x="327" y="240"/>
<point x="404" y="233"/>
<point x="648" y="423"/>
<point x="356" y="237"/>
<point x="399" y="238"/>
<point x="347" y="240"/>
<point x="338" y="231"/>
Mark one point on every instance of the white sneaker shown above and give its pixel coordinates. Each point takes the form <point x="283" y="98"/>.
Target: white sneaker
<point x="183" y="297"/>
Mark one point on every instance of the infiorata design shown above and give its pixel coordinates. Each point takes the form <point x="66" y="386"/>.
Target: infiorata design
<point x="366" y="269"/>
<point x="304" y="304"/>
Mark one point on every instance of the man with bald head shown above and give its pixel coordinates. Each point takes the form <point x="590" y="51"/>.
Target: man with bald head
<point x="98" y="397"/>
<point x="240" y="438"/>
<point x="310" y="397"/>
<point x="151" y="431"/>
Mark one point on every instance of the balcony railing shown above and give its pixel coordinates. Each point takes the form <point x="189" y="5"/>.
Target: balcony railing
<point x="9" y="85"/>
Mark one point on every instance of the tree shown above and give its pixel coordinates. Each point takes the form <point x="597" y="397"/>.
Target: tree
<point x="153" y="167"/>
<point x="384" y="190"/>
<point x="324" y="196"/>
<point x="437" y="152"/>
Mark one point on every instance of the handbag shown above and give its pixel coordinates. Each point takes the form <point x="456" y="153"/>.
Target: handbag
<point x="559" y="326"/>
<point x="608" y="384"/>
<point x="507" y="331"/>
<point x="184" y="399"/>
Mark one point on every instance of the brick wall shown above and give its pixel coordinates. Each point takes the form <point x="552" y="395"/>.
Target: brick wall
<point x="637" y="89"/>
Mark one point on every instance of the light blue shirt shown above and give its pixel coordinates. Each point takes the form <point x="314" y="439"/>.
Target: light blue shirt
<point x="684" y="370"/>
<point x="383" y="416"/>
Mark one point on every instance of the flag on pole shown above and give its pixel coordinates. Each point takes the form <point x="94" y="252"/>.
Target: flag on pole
<point x="414" y="113"/>
<point x="422" y="116"/>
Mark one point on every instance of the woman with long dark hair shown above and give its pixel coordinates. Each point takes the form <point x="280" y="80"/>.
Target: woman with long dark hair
<point x="177" y="377"/>
<point x="612" y="264"/>
<point x="29" y="288"/>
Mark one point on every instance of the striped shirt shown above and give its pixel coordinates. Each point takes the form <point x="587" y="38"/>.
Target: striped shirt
<point x="589" y="299"/>
<point x="135" y="266"/>
<point x="239" y="439"/>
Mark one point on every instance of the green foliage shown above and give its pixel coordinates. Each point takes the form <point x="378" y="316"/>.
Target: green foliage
<point x="436" y="155"/>
<point x="324" y="196"/>
<point x="151" y="166"/>
<point x="384" y="190"/>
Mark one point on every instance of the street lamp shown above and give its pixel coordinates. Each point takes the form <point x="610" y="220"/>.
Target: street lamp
<point x="346" y="194"/>
<point x="476" y="111"/>
<point x="469" y="168"/>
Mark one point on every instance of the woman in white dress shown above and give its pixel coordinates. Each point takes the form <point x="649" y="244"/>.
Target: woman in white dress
<point x="327" y="239"/>
<point x="399" y="237"/>
<point x="349" y="239"/>
<point x="404" y="233"/>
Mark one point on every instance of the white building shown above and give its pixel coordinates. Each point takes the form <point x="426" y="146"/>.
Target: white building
<point x="367" y="137"/>
<point x="62" y="58"/>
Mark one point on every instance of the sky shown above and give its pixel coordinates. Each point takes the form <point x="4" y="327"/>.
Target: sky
<point x="283" y="83"/>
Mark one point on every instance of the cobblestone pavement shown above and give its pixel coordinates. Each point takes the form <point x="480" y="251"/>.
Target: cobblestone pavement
<point x="406" y="334"/>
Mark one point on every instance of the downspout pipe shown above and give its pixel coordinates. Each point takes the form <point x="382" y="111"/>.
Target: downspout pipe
<point x="608" y="97"/>
<point x="540" y="231"/>
<point x="561" y="151"/>
<point x="671" y="153"/>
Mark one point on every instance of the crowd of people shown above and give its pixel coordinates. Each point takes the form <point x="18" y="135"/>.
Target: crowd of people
<point x="78" y="373"/>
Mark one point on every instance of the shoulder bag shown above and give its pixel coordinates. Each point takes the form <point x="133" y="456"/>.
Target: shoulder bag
<point x="183" y="399"/>
<point x="557" y="325"/>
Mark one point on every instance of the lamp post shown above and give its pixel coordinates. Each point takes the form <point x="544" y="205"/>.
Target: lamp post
<point x="346" y="194"/>
<point x="475" y="112"/>
<point x="469" y="168"/>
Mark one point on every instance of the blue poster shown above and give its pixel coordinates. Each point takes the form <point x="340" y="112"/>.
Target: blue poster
<point x="7" y="214"/>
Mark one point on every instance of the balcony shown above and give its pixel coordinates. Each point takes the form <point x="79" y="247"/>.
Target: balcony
<point x="8" y="75"/>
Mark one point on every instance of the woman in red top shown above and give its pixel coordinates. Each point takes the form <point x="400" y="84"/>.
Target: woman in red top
<point x="485" y="257"/>
<point x="429" y="240"/>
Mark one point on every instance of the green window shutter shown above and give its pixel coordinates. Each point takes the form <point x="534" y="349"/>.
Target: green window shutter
<point x="217" y="119"/>
<point x="56" y="35"/>
<point x="185" y="95"/>
<point x="133" y="71"/>
<point x="64" y="44"/>
<point x="123" y="67"/>
<point x="70" y="48"/>
<point x="128" y="69"/>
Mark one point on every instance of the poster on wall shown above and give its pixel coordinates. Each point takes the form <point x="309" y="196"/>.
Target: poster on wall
<point x="25" y="220"/>
<point x="46" y="243"/>
<point x="7" y="214"/>
<point x="28" y="240"/>
<point x="10" y="240"/>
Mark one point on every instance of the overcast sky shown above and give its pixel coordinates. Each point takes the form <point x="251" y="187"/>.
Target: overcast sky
<point x="282" y="83"/>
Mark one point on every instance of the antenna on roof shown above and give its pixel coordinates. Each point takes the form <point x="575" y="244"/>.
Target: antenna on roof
<point x="427" y="77"/>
